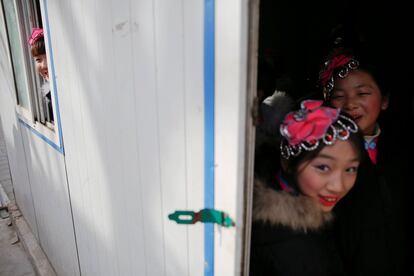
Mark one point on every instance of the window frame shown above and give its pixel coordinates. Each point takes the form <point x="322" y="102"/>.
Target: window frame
<point x="27" y="17"/>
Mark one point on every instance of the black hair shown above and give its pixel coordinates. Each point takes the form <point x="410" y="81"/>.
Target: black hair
<point x="38" y="47"/>
<point x="377" y="75"/>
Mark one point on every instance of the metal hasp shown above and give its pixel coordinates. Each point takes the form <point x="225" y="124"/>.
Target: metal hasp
<point x="205" y="215"/>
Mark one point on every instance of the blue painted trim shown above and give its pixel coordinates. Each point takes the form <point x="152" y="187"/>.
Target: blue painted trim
<point x="44" y="138"/>
<point x="55" y="94"/>
<point x="209" y="82"/>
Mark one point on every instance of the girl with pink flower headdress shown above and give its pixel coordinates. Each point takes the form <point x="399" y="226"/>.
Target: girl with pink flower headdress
<point x="38" y="50"/>
<point x="372" y="221"/>
<point x="320" y="152"/>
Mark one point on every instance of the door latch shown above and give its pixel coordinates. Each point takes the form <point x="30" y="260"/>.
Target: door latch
<point x="206" y="215"/>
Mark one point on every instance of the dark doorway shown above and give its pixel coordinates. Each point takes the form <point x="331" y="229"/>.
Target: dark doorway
<point x="296" y="36"/>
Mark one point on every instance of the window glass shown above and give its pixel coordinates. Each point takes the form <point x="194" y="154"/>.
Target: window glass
<point x="17" y="54"/>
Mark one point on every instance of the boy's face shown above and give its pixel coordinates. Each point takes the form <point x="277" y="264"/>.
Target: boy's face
<point x="330" y="175"/>
<point x="359" y="96"/>
<point x="41" y="66"/>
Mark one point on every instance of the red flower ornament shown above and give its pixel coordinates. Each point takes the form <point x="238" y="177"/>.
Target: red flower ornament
<point x="309" y="124"/>
<point x="36" y="34"/>
<point x="312" y="125"/>
<point x="338" y="65"/>
<point x="331" y="65"/>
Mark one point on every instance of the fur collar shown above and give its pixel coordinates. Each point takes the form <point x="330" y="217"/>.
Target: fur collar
<point x="281" y="208"/>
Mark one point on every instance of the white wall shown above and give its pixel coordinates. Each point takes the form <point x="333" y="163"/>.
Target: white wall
<point x="12" y="136"/>
<point x="5" y="177"/>
<point x="129" y="77"/>
<point x="39" y="178"/>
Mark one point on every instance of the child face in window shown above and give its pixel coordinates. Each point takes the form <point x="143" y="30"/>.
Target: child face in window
<point x="41" y="66"/>
<point x="359" y="95"/>
<point x="330" y="175"/>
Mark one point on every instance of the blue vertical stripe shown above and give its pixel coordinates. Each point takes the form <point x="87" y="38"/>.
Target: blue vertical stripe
<point x="209" y="133"/>
<point x="52" y="65"/>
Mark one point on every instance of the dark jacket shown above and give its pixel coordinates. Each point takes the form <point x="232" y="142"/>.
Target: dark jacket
<point x="47" y="102"/>
<point x="290" y="236"/>
<point x="371" y="221"/>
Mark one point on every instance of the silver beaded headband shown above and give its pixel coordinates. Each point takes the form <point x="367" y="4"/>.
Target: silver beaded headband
<point x="306" y="129"/>
<point x="342" y="73"/>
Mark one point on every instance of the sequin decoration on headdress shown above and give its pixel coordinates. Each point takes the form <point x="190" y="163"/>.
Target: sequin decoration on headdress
<point x="36" y="34"/>
<point x="338" y="65"/>
<point x="306" y="128"/>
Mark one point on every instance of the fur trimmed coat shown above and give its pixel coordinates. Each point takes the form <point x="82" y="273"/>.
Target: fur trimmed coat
<point x="291" y="236"/>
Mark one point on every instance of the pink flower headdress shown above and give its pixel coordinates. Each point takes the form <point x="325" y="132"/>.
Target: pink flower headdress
<point x="306" y="128"/>
<point x="338" y="65"/>
<point x="36" y="34"/>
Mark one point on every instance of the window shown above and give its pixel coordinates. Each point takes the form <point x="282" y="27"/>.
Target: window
<point x="34" y="97"/>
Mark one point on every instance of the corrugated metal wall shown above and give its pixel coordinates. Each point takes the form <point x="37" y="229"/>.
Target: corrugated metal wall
<point x="5" y="178"/>
<point x="39" y="178"/>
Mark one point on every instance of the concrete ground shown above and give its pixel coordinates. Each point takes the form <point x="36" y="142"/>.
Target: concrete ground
<point x="13" y="258"/>
<point x="20" y="253"/>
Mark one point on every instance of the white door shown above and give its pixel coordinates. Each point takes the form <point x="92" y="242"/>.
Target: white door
<point x="153" y="108"/>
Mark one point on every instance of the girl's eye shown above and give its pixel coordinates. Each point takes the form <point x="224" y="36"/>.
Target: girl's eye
<point x="337" y="94"/>
<point x="352" y="169"/>
<point x="322" y="168"/>
<point x="337" y="97"/>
